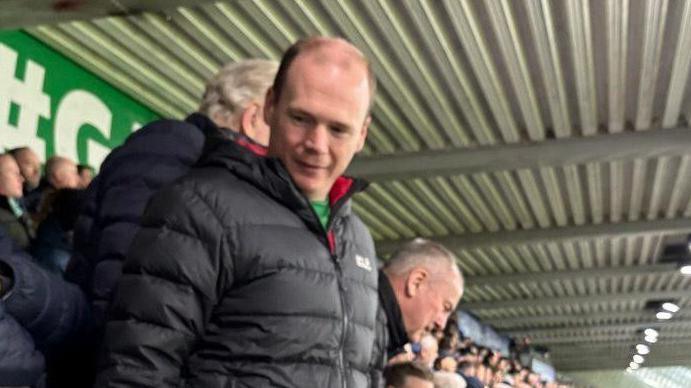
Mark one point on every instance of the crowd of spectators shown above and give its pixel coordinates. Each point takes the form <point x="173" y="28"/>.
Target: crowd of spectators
<point x="445" y="359"/>
<point x="208" y="253"/>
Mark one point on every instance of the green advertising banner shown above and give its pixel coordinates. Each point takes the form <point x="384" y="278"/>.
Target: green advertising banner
<point x="56" y="107"/>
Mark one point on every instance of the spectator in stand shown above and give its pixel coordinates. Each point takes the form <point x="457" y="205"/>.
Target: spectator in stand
<point x="534" y="380"/>
<point x="446" y="364"/>
<point x="408" y="375"/>
<point x="61" y="173"/>
<point x="468" y="371"/>
<point x="86" y="175"/>
<point x="152" y="157"/>
<point x="52" y="247"/>
<point x="30" y="167"/>
<point x="419" y="287"/>
<point x="235" y="260"/>
<point x="13" y="216"/>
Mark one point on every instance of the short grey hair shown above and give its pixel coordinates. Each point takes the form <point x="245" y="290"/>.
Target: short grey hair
<point x="421" y="252"/>
<point x="236" y="85"/>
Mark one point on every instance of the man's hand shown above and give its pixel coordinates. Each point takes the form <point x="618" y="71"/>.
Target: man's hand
<point x="406" y="355"/>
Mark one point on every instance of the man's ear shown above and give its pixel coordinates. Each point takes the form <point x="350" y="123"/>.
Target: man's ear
<point x="416" y="278"/>
<point x="363" y="133"/>
<point x="248" y="119"/>
<point x="269" y="107"/>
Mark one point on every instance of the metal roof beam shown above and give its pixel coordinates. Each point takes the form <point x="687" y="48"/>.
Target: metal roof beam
<point x="536" y="334"/>
<point x="538" y="277"/>
<point x="603" y="364"/>
<point x="568" y="320"/>
<point x="469" y="241"/>
<point x="564" y="300"/>
<point x="22" y="13"/>
<point x="560" y="152"/>
<point x="661" y="346"/>
<point x="656" y="352"/>
<point x="590" y="339"/>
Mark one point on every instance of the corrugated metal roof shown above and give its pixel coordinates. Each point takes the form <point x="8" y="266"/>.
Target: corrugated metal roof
<point x="557" y="131"/>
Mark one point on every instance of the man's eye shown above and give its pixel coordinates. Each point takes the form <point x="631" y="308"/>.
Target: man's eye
<point x="298" y="118"/>
<point x="339" y="130"/>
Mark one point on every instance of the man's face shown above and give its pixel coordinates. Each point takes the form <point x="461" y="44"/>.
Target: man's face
<point x="66" y="175"/>
<point x="30" y="167"/>
<point x="11" y="179"/>
<point x="85" y="177"/>
<point x="318" y="122"/>
<point x="431" y="301"/>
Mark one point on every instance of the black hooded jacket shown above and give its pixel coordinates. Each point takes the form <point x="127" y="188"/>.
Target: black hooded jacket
<point x="233" y="282"/>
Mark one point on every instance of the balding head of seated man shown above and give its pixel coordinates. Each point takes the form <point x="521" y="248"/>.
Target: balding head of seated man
<point x="61" y="173"/>
<point x="13" y="217"/>
<point x="29" y="165"/>
<point x="11" y="179"/>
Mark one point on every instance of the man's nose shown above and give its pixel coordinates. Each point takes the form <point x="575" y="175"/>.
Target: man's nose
<point x="441" y="319"/>
<point x="317" y="139"/>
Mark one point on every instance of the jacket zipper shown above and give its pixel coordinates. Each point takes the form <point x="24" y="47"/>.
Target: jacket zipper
<point x="341" y="289"/>
<point x="339" y="273"/>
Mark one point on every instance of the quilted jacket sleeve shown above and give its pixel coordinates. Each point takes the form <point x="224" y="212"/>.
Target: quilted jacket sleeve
<point x="20" y="363"/>
<point x="166" y="294"/>
<point x="53" y="310"/>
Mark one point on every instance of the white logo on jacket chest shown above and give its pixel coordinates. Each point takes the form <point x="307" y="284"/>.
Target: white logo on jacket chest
<point x="363" y="262"/>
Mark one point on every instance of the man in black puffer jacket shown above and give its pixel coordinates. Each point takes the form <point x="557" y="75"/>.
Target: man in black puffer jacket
<point x="253" y="271"/>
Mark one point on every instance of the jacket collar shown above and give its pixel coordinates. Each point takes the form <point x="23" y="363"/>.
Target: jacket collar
<point x="394" y="318"/>
<point x="249" y="162"/>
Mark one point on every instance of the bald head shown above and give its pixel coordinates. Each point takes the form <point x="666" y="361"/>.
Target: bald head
<point x="10" y="178"/>
<point x="325" y="50"/>
<point x="62" y="173"/>
<point x="29" y="165"/>
<point x="427" y="283"/>
<point x="421" y="252"/>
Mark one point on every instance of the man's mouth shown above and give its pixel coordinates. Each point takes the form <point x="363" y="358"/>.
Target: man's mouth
<point x="309" y="166"/>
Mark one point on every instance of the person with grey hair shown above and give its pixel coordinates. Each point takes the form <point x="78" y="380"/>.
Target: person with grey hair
<point x="234" y="97"/>
<point x="152" y="157"/>
<point x="419" y="287"/>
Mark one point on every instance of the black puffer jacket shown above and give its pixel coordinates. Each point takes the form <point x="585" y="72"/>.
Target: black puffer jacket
<point x="233" y="282"/>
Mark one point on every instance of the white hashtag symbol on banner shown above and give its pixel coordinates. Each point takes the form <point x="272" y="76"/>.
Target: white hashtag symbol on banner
<point x="28" y="96"/>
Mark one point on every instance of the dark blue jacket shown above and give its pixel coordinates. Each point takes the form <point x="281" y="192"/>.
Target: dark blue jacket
<point x="21" y="364"/>
<point x="48" y="307"/>
<point x="152" y="157"/>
